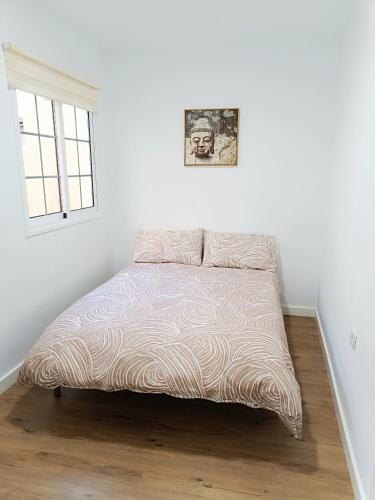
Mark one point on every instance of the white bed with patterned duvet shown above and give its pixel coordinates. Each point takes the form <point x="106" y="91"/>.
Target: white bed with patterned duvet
<point x="190" y="331"/>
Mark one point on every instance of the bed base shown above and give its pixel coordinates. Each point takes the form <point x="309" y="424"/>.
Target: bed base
<point x="259" y="416"/>
<point x="259" y="413"/>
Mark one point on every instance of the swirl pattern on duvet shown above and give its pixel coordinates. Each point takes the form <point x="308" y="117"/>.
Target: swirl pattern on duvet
<point x="188" y="331"/>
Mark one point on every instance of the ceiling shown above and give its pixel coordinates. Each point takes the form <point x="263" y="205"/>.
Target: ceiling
<point x="123" y="24"/>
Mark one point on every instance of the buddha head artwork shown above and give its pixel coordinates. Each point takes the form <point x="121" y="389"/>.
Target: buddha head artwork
<point x="211" y="137"/>
<point x="202" y="139"/>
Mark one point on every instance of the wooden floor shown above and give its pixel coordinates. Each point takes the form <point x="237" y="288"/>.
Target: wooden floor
<point x="92" y="445"/>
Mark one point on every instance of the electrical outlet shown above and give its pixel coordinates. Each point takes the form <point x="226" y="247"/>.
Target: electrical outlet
<point x="353" y="339"/>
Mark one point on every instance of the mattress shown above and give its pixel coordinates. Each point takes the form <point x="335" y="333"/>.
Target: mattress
<point x="186" y="331"/>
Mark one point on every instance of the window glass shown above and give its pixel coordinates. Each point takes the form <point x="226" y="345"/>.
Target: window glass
<point x="74" y="193"/>
<point x="86" y="188"/>
<point x="82" y="124"/>
<point x="45" y="116"/>
<point x="49" y="158"/>
<point x="84" y="158"/>
<point x="51" y="186"/>
<point x="69" y="121"/>
<point x="27" y="112"/>
<point x="35" y="197"/>
<point x="31" y="155"/>
<point x="71" y="157"/>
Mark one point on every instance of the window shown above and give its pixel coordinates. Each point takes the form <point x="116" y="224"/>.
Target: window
<point x="57" y="157"/>
<point x="78" y="157"/>
<point x="57" y="161"/>
<point x="38" y="137"/>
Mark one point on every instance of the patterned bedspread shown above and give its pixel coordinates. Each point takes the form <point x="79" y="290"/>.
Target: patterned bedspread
<point x="187" y="331"/>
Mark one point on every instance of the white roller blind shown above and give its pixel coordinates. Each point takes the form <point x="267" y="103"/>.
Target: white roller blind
<point x="32" y="75"/>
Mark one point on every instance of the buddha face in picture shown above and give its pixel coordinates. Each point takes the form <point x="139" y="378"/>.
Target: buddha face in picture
<point x="202" y="139"/>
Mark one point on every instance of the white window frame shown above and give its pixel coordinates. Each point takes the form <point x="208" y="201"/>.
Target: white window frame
<point x="67" y="217"/>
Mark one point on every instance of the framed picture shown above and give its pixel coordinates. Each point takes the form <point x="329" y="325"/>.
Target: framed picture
<point x="211" y="137"/>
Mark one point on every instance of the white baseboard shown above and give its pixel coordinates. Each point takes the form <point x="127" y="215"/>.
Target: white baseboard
<point x="299" y="311"/>
<point x="340" y="416"/>
<point x="9" y="378"/>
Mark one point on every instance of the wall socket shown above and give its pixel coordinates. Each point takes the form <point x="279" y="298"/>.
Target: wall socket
<point x="353" y="339"/>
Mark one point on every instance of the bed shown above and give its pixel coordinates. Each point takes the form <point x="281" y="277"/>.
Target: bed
<point x="185" y="330"/>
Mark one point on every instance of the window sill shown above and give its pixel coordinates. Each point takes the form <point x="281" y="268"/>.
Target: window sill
<point x="48" y="228"/>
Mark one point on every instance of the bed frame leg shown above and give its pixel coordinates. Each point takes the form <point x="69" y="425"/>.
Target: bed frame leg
<point x="259" y="415"/>
<point x="57" y="392"/>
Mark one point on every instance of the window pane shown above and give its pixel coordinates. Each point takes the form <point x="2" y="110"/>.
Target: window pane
<point x="31" y="155"/>
<point x="35" y="197"/>
<point x="69" y="121"/>
<point x="48" y="156"/>
<point x="71" y="157"/>
<point x="86" y="187"/>
<point x="45" y="116"/>
<point x="82" y="124"/>
<point x="84" y="158"/>
<point x="74" y="193"/>
<point x="51" y="187"/>
<point x="27" y="111"/>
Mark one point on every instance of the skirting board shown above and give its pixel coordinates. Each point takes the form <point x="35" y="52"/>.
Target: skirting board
<point x="340" y="416"/>
<point x="299" y="311"/>
<point x="9" y="378"/>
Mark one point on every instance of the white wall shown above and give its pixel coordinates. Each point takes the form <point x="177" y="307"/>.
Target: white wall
<point x="286" y="94"/>
<point x="347" y="291"/>
<point x="41" y="276"/>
